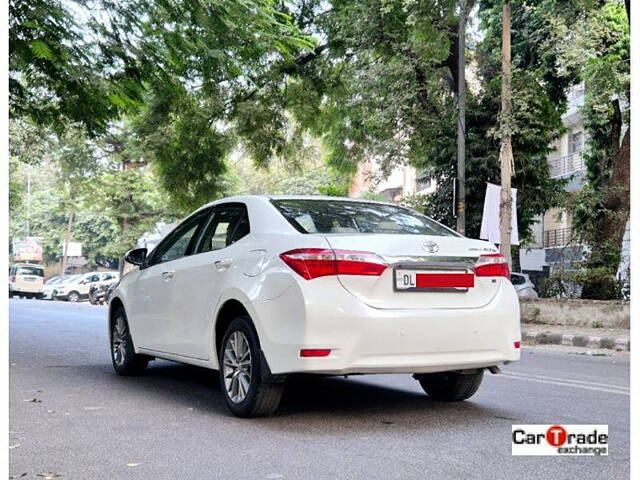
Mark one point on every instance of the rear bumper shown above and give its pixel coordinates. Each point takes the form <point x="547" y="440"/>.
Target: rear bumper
<point x="363" y="339"/>
<point x="23" y="291"/>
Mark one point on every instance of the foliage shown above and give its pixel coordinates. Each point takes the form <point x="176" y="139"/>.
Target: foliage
<point x="569" y="284"/>
<point x="601" y="52"/>
<point x="382" y="89"/>
<point x="305" y="174"/>
<point x="74" y="175"/>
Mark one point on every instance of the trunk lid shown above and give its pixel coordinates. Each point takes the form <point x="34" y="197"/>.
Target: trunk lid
<point x="419" y="254"/>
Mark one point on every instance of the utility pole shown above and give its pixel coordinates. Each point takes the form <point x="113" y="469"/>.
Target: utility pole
<point x="28" y="201"/>
<point x="460" y="184"/>
<point x="66" y="245"/>
<point x="506" y="153"/>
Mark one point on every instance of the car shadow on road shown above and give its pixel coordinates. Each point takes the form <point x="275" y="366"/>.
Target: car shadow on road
<point x="340" y="402"/>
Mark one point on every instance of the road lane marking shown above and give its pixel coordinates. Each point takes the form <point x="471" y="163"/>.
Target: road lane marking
<point x="568" y="380"/>
<point x="565" y="382"/>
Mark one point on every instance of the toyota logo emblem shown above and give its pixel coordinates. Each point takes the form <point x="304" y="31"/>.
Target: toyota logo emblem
<point x="431" y="247"/>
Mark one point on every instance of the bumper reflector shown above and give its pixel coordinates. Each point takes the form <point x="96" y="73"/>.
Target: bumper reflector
<point x="315" y="352"/>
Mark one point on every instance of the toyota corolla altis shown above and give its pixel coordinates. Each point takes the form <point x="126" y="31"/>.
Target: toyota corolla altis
<point x="259" y="287"/>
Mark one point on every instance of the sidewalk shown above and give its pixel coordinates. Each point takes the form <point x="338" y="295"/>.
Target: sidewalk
<point x="608" y="338"/>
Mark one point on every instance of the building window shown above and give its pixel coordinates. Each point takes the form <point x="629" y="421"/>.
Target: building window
<point x="575" y="143"/>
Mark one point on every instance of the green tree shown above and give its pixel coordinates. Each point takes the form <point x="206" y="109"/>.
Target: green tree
<point x="381" y="86"/>
<point x="73" y="174"/>
<point x="601" y="210"/>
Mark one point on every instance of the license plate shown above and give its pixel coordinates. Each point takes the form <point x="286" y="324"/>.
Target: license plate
<point x="416" y="280"/>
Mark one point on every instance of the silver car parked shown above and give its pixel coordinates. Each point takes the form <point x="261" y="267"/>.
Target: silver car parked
<point x="523" y="285"/>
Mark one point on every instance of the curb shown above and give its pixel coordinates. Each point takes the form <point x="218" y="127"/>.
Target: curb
<point x="620" y="344"/>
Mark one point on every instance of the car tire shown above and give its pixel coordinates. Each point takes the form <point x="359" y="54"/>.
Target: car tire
<point x="261" y="396"/>
<point x="450" y="386"/>
<point x="125" y="360"/>
<point x="73" y="297"/>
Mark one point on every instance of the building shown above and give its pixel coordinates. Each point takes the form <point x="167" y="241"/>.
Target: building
<point x="404" y="180"/>
<point x="554" y="245"/>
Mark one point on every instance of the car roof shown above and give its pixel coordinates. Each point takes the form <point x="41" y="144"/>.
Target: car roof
<point x="249" y="198"/>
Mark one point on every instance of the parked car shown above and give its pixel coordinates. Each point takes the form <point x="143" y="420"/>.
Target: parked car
<point x="26" y="280"/>
<point x="523" y="285"/>
<point x="49" y="285"/>
<point x="78" y="288"/>
<point x="260" y="287"/>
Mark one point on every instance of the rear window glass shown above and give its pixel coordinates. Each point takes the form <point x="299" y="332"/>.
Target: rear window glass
<point x="38" y="272"/>
<point x="339" y="216"/>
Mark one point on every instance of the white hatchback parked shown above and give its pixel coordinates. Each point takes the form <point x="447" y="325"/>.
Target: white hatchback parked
<point x="259" y="287"/>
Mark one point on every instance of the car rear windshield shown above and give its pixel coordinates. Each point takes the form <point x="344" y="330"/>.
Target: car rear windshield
<point x="339" y="216"/>
<point x="38" y="272"/>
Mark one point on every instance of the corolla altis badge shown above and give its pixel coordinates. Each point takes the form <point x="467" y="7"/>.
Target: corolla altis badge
<point x="431" y="247"/>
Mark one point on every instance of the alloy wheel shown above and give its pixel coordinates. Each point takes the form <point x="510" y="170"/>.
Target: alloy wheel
<point x="119" y="341"/>
<point x="237" y="366"/>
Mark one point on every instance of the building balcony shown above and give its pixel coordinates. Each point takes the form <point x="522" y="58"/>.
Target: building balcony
<point x="560" y="237"/>
<point x="567" y="165"/>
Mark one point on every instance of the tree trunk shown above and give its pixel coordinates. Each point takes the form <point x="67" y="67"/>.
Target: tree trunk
<point x="605" y="256"/>
<point x="506" y="153"/>
<point x="460" y="191"/>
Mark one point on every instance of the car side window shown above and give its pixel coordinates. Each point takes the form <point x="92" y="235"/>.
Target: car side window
<point x="180" y="242"/>
<point x="92" y="279"/>
<point x="229" y="224"/>
<point x="517" y="279"/>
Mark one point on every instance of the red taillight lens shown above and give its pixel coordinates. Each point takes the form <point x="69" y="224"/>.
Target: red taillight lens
<point x="492" y="265"/>
<point x="315" y="352"/>
<point x="312" y="263"/>
<point x="516" y="344"/>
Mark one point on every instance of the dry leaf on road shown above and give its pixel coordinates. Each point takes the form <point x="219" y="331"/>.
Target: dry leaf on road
<point x="49" y="475"/>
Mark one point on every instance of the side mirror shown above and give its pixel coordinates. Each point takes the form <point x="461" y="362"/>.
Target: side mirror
<point x="136" y="256"/>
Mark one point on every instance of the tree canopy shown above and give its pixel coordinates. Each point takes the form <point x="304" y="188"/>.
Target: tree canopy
<point x="187" y="87"/>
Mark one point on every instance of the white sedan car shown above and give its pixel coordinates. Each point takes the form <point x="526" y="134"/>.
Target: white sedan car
<point x="258" y="287"/>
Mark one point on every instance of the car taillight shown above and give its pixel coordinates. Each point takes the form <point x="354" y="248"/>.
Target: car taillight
<point x="312" y="263"/>
<point x="492" y="265"/>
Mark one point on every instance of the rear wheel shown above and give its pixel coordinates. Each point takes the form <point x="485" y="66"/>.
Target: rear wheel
<point x="73" y="297"/>
<point x="245" y="390"/>
<point x="123" y="355"/>
<point x="450" y="386"/>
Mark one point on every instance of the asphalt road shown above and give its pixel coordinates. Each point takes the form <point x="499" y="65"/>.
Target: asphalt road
<point x="88" y="423"/>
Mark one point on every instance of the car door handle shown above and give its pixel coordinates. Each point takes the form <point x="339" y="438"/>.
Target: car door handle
<point x="168" y="275"/>
<point x="222" y="264"/>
